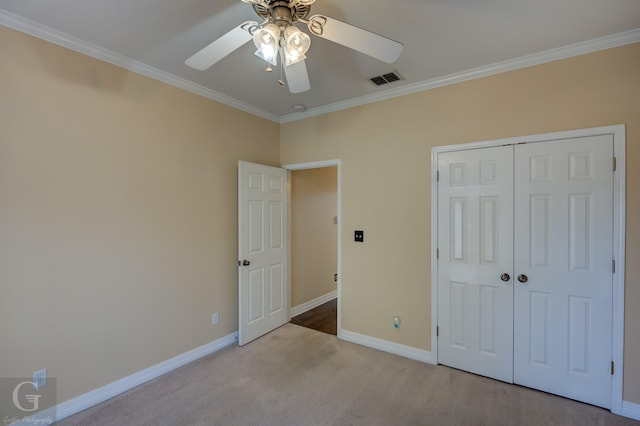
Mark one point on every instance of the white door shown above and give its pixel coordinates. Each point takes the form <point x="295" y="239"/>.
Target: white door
<point x="475" y="241"/>
<point x="543" y="211"/>
<point x="262" y="249"/>
<point x="563" y="234"/>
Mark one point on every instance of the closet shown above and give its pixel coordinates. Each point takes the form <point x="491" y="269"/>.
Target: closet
<point x="524" y="268"/>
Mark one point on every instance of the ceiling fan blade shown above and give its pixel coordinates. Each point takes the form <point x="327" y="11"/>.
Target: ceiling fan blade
<point x="372" y="44"/>
<point x="221" y="47"/>
<point x="297" y="77"/>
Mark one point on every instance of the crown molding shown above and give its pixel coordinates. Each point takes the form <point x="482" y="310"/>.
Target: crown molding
<point x="51" y="35"/>
<point x="576" y="49"/>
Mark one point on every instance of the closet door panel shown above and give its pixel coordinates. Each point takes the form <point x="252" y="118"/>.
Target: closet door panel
<point x="475" y="240"/>
<point x="563" y="209"/>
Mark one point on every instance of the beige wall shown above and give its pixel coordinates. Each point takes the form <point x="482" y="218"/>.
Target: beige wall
<point x="385" y="151"/>
<point x="118" y="201"/>
<point x="118" y="213"/>
<point x="314" y="240"/>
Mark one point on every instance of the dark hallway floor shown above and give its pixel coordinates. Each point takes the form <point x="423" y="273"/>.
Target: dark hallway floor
<point x="321" y="318"/>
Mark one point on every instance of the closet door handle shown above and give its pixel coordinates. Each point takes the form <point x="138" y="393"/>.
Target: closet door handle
<point x="505" y="277"/>
<point x="523" y="278"/>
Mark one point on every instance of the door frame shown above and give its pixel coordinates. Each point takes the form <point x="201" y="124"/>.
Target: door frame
<point x="619" y="197"/>
<point x="319" y="165"/>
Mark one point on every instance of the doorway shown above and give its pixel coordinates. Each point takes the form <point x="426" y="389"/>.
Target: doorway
<point x="526" y="232"/>
<point x="314" y="190"/>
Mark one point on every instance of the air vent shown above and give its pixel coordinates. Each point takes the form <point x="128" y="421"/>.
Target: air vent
<point x="391" y="77"/>
<point x="379" y="80"/>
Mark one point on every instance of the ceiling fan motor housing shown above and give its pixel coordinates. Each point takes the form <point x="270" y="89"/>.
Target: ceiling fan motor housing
<point x="283" y="13"/>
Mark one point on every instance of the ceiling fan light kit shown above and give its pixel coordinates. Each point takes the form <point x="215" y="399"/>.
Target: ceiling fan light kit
<point x="267" y="40"/>
<point x="297" y="44"/>
<point x="277" y="35"/>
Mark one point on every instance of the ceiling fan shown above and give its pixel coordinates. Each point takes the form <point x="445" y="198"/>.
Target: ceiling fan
<point x="277" y="36"/>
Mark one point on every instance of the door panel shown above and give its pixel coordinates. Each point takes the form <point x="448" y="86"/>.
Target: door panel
<point x="475" y="240"/>
<point x="563" y="233"/>
<point x="262" y="241"/>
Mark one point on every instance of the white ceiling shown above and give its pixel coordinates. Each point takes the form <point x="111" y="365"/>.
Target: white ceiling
<point x="442" y="39"/>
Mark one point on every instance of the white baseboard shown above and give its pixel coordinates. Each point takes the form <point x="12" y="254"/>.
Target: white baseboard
<point x="631" y="410"/>
<point x="386" y="346"/>
<point x="96" y="396"/>
<point x="300" y="309"/>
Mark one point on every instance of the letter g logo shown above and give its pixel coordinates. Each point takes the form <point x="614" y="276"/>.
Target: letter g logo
<point x="33" y="399"/>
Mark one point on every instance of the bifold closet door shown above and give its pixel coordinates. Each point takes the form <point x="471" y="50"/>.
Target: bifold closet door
<point x="563" y="253"/>
<point x="475" y="241"/>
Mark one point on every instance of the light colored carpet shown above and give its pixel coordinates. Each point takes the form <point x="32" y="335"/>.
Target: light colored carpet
<point x="297" y="376"/>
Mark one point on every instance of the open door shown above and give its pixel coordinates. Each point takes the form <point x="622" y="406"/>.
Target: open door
<point x="263" y="290"/>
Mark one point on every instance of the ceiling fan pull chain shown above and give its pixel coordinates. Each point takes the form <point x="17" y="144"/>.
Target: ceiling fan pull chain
<point x="281" y="81"/>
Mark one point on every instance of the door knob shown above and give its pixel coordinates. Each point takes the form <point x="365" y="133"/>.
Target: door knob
<point x="505" y="277"/>
<point x="523" y="278"/>
<point x="246" y="263"/>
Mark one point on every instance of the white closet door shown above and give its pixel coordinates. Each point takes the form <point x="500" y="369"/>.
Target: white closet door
<point x="475" y="240"/>
<point x="563" y="233"/>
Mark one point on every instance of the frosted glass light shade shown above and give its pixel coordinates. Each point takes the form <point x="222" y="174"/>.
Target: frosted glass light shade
<point x="297" y="44"/>
<point x="267" y="40"/>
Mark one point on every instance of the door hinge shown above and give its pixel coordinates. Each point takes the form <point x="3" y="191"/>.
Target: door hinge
<point x="614" y="164"/>
<point x="437" y="253"/>
<point x="437" y="175"/>
<point x="437" y="331"/>
<point x="613" y="368"/>
<point x="613" y="266"/>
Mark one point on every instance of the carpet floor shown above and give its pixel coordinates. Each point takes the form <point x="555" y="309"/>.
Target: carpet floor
<point x="297" y="376"/>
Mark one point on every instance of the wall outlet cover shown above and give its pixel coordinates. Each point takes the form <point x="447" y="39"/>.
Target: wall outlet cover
<point x="39" y="378"/>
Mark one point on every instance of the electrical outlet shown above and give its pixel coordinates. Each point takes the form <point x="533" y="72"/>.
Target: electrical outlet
<point x="40" y="378"/>
<point x="397" y="322"/>
<point x="215" y="319"/>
